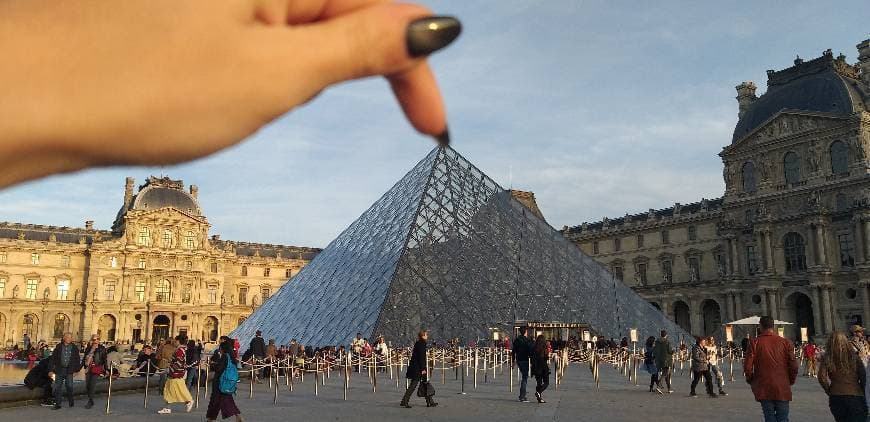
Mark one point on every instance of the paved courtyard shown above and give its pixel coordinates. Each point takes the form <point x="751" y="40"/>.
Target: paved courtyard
<point x="575" y="400"/>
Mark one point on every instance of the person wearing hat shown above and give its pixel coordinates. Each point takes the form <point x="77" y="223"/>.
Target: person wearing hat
<point x="859" y="344"/>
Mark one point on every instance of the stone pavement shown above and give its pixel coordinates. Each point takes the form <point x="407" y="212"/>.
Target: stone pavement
<point x="575" y="400"/>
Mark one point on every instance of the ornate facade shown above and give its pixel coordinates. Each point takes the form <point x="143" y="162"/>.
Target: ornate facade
<point x="790" y="237"/>
<point x="156" y="273"/>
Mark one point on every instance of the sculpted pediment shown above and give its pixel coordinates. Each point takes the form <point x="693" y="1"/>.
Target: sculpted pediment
<point x="786" y="123"/>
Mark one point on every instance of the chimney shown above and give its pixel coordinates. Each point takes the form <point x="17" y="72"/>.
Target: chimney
<point x="128" y="191"/>
<point x="864" y="61"/>
<point x="194" y="191"/>
<point x="745" y="96"/>
<point x="89" y="225"/>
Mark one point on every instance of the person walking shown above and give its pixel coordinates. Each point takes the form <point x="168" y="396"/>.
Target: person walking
<point x="257" y="349"/>
<point x="664" y="360"/>
<point x="810" y="355"/>
<point x="771" y="369"/>
<point x="221" y="402"/>
<point x="521" y="349"/>
<point x="701" y="367"/>
<point x="843" y="377"/>
<point x="95" y="366"/>
<point x="416" y="371"/>
<point x="164" y="356"/>
<point x="65" y="363"/>
<point x="192" y="358"/>
<point x="540" y="367"/>
<point x="175" y="390"/>
<point x="649" y="364"/>
<point x="713" y="361"/>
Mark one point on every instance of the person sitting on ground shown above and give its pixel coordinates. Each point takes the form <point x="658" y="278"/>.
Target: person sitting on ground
<point x="146" y="362"/>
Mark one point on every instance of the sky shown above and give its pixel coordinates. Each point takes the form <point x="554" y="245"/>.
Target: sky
<point x="601" y="108"/>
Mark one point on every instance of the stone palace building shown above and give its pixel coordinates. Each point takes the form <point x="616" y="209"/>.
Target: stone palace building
<point x="790" y="237"/>
<point x="156" y="273"/>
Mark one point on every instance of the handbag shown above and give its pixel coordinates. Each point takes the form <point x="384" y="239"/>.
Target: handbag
<point x="426" y="389"/>
<point x="96" y="369"/>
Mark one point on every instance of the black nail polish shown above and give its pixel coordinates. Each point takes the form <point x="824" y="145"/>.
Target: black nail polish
<point x="430" y="34"/>
<point x="443" y="138"/>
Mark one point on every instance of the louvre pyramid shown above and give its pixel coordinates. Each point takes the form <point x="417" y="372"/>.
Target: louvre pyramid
<point x="450" y="250"/>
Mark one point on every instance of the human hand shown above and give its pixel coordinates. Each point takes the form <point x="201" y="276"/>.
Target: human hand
<point x="90" y="83"/>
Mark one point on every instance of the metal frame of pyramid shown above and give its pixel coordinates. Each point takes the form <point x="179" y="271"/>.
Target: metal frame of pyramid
<point x="449" y="250"/>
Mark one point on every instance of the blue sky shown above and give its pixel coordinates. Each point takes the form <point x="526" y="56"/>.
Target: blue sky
<point x="599" y="107"/>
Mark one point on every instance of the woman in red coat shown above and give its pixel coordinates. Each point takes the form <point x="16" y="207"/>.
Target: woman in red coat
<point x="771" y="370"/>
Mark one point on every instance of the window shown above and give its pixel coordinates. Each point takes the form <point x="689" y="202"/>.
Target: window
<point x="839" y="158"/>
<point x="288" y="273"/>
<point x="847" y="248"/>
<point x="639" y="241"/>
<point x="692" y="233"/>
<point x="666" y="237"/>
<point x="265" y="292"/>
<point x="748" y="215"/>
<point x="667" y="271"/>
<point x="748" y="176"/>
<point x="694" y="268"/>
<point x="266" y="272"/>
<point x="64" y="261"/>
<point x="34" y="258"/>
<point x="795" y="260"/>
<point x="188" y="240"/>
<point x="641" y="274"/>
<point x="841" y="202"/>
<point x="212" y="294"/>
<point x="145" y="236"/>
<point x="113" y="262"/>
<point x="188" y="265"/>
<point x="167" y="238"/>
<point x="243" y="295"/>
<point x="186" y="293"/>
<point x="139" y="291"/>
<point x="163" y="291"/>
<point x="244" y="270"/>
<point x="721" y="264"/>
<point x="2" y="287"/>
<point x="617" y="272"/>
<point x="214" y="267"/>
<point x="2" y="257"/>
<point x="791" y="165"/>
<point x="30" y="292"/>
<point x="142" y="263"/>
<point x="751" y="260"/>
<point x="595" y="248"/>
<point x="62" y="289"/>
<point x="110" y="290"/>
<point x="617" y="244"/>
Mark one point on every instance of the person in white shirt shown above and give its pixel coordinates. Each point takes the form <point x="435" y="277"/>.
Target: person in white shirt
<point x="713" y="356"/>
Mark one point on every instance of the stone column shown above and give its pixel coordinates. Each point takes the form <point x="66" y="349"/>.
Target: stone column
<point x="820" y="243"/>
<point x="729" y="301"/>
<point x="768" y="252"/>
<point x="735" y="257"/>
<point x="765" y="303"/>
<point x="812" y="259"/>
<point x="694" y="316"/>
<point x="817" y="312"/>
<point x="826" y="308"/>
<point x="866" y="239"/>
<point x="738" y="306"/>
<point x="860" y="250"/>
<point x="865" y="297"/>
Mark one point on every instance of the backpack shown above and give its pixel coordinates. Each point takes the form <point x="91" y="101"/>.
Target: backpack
<point x="229" y="378"/>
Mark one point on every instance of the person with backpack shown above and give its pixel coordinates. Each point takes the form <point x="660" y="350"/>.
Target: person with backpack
<point x="175" y="390"/>
<point x="226" y="376"/>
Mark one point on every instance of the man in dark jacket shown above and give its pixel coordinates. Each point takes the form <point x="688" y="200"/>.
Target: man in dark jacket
<point x="417" y="369"/>
<point x="520" y="349"/>
<point x="258" y="349"/>
<point x="65" y="362"/>
<point x="38" y="377"/>
<point x="664" y="359"/>
<point x="94" y="363"/>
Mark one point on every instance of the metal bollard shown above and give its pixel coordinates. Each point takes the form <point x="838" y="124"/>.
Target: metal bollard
<point x="147" y="378"/>
<point x="463" y="362"/>
<point x="109" y="396"/>
<point x="475" y="368"/>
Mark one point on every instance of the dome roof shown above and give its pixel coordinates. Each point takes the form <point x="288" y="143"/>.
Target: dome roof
<point x="153" y="197"/>
<point x="822" y="85"/>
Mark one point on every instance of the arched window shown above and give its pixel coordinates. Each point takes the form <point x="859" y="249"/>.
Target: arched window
<point x="145" y="236"/>
<point x="163" y="290"/>
<point x="795" y="260"/>
<point x="839" y="158"/>
<point x="791" y="165"/>
<point x="189" y="240"/>
<point x="748" y="173"/>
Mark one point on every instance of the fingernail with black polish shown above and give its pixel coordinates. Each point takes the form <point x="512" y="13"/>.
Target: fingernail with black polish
<point x="430" y="34"/>
<point x="443" y="138"/>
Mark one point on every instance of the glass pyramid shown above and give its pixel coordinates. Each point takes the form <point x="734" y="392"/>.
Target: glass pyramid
<point x="449" y="250"/>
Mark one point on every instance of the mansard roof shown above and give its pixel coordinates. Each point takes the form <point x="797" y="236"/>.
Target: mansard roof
<point x="704" y="205"/>
<point x="40" y="233"/>
<point x="825" y="84"/>
<point x="265" y="250"/>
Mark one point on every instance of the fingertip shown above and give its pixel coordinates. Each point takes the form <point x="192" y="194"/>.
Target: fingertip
<point x="418" y="95"/>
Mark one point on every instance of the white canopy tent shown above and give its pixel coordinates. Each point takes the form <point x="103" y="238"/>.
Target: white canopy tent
<point x="755" y="320"/>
